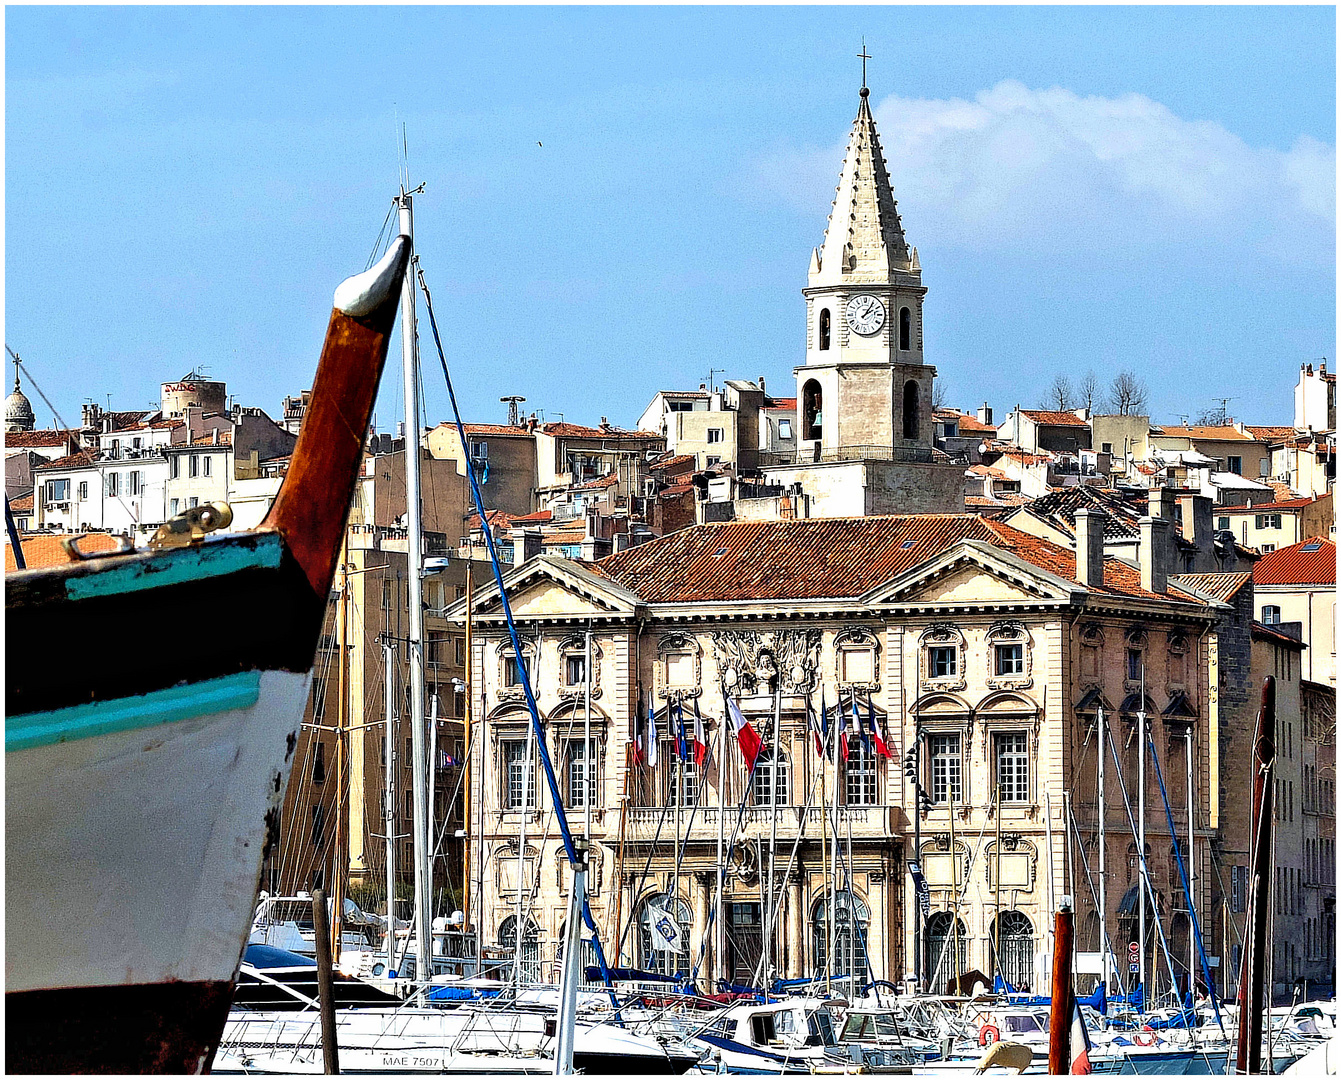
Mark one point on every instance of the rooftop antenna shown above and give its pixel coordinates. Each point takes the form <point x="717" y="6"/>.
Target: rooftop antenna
<point x="514" y="416"/>
<point x="712" y="385"/>
<point x="863" y="56"/>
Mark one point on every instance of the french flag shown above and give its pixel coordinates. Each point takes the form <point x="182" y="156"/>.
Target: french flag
<point x="700" y="737"/>
<point x="881" y="747"/>
<point x="750" y="743"/>
<point x="1080" y="1043"/>
<point x="682" y="747"/>
<point x="841" y="720"/>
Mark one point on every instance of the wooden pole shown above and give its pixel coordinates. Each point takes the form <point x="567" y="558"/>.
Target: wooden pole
<point x="330" y="1050"/>
<point x="1252" y="1001"/>
<point x="1063" y="992"/>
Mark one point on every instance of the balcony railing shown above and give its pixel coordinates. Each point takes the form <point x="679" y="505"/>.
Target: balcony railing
<point x="865" y="821"/>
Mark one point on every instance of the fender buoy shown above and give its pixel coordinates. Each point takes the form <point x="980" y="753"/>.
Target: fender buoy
<point x="988" y="1034"/>
<point x="1144" y="1038"/>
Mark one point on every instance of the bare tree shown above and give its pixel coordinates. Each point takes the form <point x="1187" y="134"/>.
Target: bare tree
<point x="938" y="395"/>
<point x="1087" y="391"/>
<point x="1127" y="394"/>
<point x="1216" y="415"/>
<point x="1059" y="394"/>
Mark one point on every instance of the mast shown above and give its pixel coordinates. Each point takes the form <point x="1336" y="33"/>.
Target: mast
<point x="719" y="935"/>
<point x="1140" y="839"/>
<point x="954" y="877"/>
<point x="588" y="761"/>
<point x="1063" y="992"/>
<point x="1191" y="871"/>
<point x="339" y="861"/>
<point x="771" y="912"/>
<point x="521" y="841"/>
<point x="824" y="841"/>
<point x="996" y="891"/>
<point x="1252" y="999"/>
<point x="423" y="911"/>
<point x="1103" y="852"/>
<point x="468" y="766"/>
<point x="389" y="799"/>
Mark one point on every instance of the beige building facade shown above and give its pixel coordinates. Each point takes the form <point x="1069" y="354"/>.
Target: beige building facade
<point x="970" y="642"/>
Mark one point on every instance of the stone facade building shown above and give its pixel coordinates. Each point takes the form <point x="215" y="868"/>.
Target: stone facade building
<point x="982" y="647"/>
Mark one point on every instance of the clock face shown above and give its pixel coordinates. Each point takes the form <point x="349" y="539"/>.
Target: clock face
<point x="865" y="314"/>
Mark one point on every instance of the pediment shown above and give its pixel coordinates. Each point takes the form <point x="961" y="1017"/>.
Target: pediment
<point x="973" y="572"/>
<point x="550" y="587"/>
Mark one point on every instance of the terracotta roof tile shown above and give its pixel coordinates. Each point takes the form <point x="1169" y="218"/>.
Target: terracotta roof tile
<point x="670" y="462"/>
<point x="23" y="504"/>
<point x="780" y="403"/>
<point x="1054" y="419"/>
<point x="81" y="460"/>
<point x="539" y="517"/>
<point x="577" y="431"/>
<point x="492" y="429"/>
<point x="20" y="439"/>
<point x="1264" y="632"/>
<point x="1269" y="434"/>
<point x="600" y="482"/>
<point x="1311" y="563"/>
<point x="818" y="558"/>
<point x="1257" y="508"/>
<point x="1213" y="432"/>
<point x="46" y="550"/>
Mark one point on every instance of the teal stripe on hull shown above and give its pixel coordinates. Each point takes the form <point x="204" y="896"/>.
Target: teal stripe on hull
<point x="126" y="714"/>
<point x="188" y="564"/>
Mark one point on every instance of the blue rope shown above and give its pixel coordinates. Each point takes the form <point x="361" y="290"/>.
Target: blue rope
<point x="1182" y="873"/>
<point x="561" y="815"/>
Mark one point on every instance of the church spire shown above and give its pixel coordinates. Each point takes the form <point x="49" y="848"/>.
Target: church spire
<point x="864" y="242"/>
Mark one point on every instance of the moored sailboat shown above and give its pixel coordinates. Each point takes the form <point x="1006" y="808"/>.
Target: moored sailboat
<point x="144" y="783"/>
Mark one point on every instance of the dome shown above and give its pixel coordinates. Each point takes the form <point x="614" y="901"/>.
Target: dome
<point x="18" y="410"/>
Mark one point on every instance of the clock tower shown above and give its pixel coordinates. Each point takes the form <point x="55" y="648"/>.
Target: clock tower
<point x="864" y="391"/>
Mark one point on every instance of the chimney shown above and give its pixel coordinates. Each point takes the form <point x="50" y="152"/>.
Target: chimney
<point x="1089" y="547"/>
<point x="762" y="388"/>
<point x="1197" y="520"/>
<point x="1161" y="503"/>
<point x="216" y="436"/>
<point x="985" y="414"/>
<point x="1154" y="554"/>
<point x="526" y="545"/>
<point x="703" y="387"/>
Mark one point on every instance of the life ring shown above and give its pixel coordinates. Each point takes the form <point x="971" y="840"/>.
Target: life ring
<point x="1145" y="1037"/>
<point x="988" y="1034"/>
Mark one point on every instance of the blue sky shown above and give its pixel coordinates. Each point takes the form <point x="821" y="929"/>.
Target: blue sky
<point x="1151" y="188"/>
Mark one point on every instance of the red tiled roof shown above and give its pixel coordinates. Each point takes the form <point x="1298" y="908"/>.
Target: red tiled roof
<point x="81" y="460"/>
<point x="966" y="421"/>
<point x="1312" y="562"/>
<point x="46" y="550"/>
<point x="599" y="482"/>
<point x="1269" y="434"/>
<point x="987" y="470"/>
<point x="1257" y="508"/>
<point x="1054" y="419"/>
<point x="780" y="403"/>
<point x="22" y="505"/>
<point x="497" y="518"/>
<point x="537" y="518"/>
<point x="1024" y="457"/>
<point x="492" y="429"/>
<point x="1281" y="488"/>
<point x="38" y="438"/>
<point x="818" y="558"/>
<point x="120" y="421"/>
<point x="678" y="459"/>
<point x="225" y="440"/>
<point x="1214" y="432"/>
<point x="577" y="431"/>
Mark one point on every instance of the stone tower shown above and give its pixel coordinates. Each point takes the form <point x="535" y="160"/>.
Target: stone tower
<point x="864" y="391"/>
<point x="18" y="409"/>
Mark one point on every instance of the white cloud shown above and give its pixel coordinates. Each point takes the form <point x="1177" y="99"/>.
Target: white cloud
<point x="1049" y="169"/>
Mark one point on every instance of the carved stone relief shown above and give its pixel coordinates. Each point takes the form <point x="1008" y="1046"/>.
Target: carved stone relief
<point x="761" y="660"/>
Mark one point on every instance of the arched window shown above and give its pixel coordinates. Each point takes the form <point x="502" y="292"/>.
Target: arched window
<point x="765" y="775"/>
<point x="824" y="321"/>
<point x="653" y="953"/>
<point x="1015" y="940"/>
<point x="947" y="950"/>
<point x="530" y="946"/>
<point x="911" y="409"/>
<point x="812" y="411"/>
<point x="851" y="922"/>
<point x="905" y="329"/>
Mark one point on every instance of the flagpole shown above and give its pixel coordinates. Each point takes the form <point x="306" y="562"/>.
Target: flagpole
<point x="677" y="778"/>
<point x="771" y="928"/>
<point x="719" y="945"/>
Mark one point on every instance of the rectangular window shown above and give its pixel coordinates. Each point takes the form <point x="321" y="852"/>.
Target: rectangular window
<point x="859" y="775"/>
<point x="1271" y="614"/>
<point x="58" y="490"/>
<point x="1106" y="448"/>
<point x="83" y="491"/>
<point x="1135" y="661"/>
<point x="575" y="669"/>
<point x="682" y="777"/>
<point x="942" y="661"/>
<point x="1010" y="659"/>
<point x="947" y="767"/>
<point x="518" y="776"/>
<point x="1238" y="889"/>
<point x="193" y="502"/>
<point x="511" y="671"/>
<point x="1267" y="548"/>
<point x="581" y="773"/>
<point x="1236" y="464"/>
<point x="318" y="825"/>
<point x="113" y="485"/>
<point x="206" y="465"/>
<point x="1222" y="524"/>
<point x="856" y="665"/>
<point x="1012" y="766"/>
<point x="460" y="650"/>
<point x="174" y="505"/>
<point x="784" y="429"/>
<point x="195" y="464"/>
<point x="133" y="482"/>
<point x="716" y="435"/>
<point x="174" y="467"/>
<point x="1268" y="521"/>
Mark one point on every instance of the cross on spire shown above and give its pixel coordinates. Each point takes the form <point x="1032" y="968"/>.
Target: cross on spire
<point x="863" y="56"/>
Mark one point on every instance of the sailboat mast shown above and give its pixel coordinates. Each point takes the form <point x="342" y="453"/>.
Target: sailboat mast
<point x="389" y="798"/>
<point x="339" y="859"/>
<point x="772" y="910"/>
<point x="1140" y="839"/>
<point x="414" y="528"/>
<point x="1191" y="869"/>
<point x="1102" y="726"/>
<point x="719" y="937"/>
